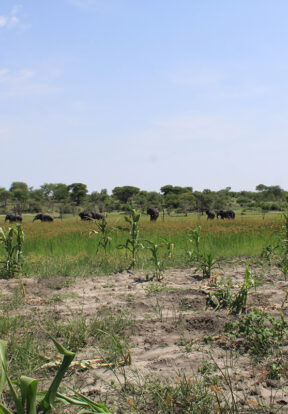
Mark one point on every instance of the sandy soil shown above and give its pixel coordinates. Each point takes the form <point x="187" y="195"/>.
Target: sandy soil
<point x="169" y="326"/>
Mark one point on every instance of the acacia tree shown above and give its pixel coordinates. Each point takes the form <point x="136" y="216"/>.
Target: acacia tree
<point x="78" y="192"/>
<point x="20" y="195"/>
<point x="125" y="193"/>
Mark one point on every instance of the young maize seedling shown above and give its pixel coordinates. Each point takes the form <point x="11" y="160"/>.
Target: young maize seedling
<point x="132" y="244"/>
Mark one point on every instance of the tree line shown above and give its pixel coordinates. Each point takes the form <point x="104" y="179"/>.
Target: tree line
<point x="63" y="199"/>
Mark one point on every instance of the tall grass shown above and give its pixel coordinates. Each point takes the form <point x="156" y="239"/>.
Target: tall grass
<point x="65" y="248"/>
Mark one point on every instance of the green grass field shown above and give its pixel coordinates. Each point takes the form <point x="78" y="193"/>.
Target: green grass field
<point x="65" y="247"/>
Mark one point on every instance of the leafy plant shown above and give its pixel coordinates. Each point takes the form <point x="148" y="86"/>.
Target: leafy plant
<point x="104" y="232"/>
<point x="221" y="298"/>
<point x="239" y="302"/>
<point x="25" y="396"/>
<point x="158" y="264"/>
<point x="132" y="244"/>
<point x="89" y="406"/>
<point x="12" y="240"/>
<point x="206" y="262"/>
<point x="194" y="244"/>
<point x="259" y="332"/>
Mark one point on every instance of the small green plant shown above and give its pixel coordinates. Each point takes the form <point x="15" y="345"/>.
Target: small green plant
<point x="206" y="368"/>
<point x="259" y="332"/>
<point x="206" y="262"/>
<point x="239" y="302"/>
<point x="193" y="244"/>
<point x="158" y="264"/>
<point x="12" y="240"/>
<point x="221" y="298"/>
<point x="74" y="333"/>
<point x="275" y="370"/>
<point x="155" y="287"/>
<point x="104" y="232"/>
<point x="169" y="247"/>
<point x="132" y="244"/>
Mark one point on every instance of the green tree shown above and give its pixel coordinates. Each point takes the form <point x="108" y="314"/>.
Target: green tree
<point x="4" y="196"/>
<point x="99" y="200"/>
<point x="20" y="195"/>
<point x="168" y="189"/>
<point x="125" y="193"/>
<point x="78" y="192"/>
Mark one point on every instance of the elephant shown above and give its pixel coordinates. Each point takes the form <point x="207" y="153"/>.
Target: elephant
<point x="90" y="215"/>
<point x="210" y="214"/>
<point x="153" y="213"/>
<point x="13" y="217"/>
<point x="229" y="214"/>
<point x="43" y="217"/>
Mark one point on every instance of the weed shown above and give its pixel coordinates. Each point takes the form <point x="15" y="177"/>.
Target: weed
<point x="275" y="370"/>
<point x="155" y="287"/>
<point x="206" y="368"/>
<point x="12" y="240"/>
<point x="111" y="334"/>
<point x="73" y="333"/>
<point x="188" y="395"/>
<point x="259" y="332"/>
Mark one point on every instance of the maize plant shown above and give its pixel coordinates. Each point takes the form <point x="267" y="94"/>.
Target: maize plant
<point x="132" y="244"/>
<point x="104" y="234"/>
<point x="12" y="240"/>
<point x="206" y="262"/>
<point x="158" y="264"/>
<point x="24" y="392"/>
<point x="194" y="244"/>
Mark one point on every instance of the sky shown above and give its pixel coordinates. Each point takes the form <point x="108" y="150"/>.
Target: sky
<point x="144" y="93"/>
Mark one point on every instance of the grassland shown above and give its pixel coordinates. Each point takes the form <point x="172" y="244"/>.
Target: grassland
<point x="65" y="247"/>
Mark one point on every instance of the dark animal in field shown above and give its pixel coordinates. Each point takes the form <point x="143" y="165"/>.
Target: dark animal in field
<point x="153" y="213"/>
<point x="210" y="214"/>
<point x="43" y="217"/>
<point x="90" y="215"/>
<point x="13" y="217"/>
<point x="229" y="214"/>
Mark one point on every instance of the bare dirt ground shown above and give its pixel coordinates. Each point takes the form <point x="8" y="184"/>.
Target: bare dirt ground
<point x="171" y="328"/>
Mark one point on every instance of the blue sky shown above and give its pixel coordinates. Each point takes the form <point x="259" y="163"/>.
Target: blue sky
<point x="144" y="93"/>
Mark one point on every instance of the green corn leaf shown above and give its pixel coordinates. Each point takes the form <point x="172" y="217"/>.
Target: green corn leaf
<point x="17" y="400"/>
<point x="3" y="364"/>
<point x="28" y="387"/>
<point x="81" y="400"/>
<point x="50" y="396"/>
